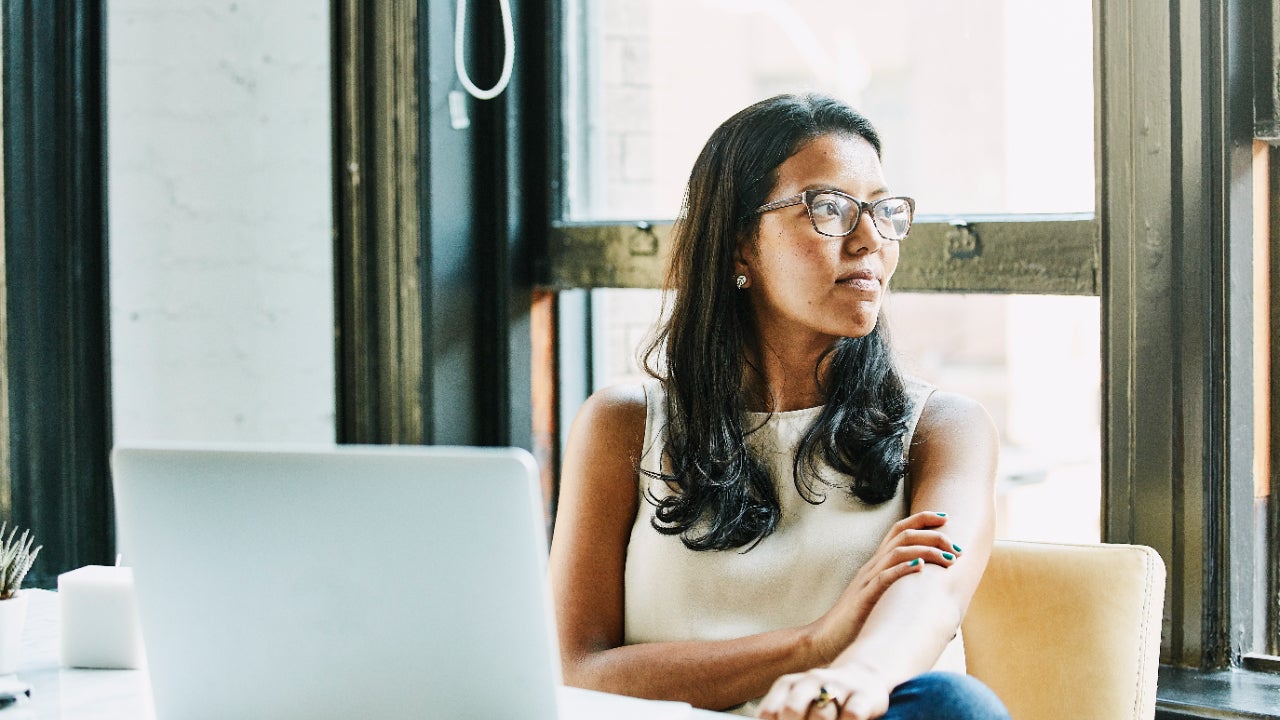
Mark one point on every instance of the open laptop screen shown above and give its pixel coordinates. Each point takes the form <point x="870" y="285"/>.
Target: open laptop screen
<point x="346" y="581"/>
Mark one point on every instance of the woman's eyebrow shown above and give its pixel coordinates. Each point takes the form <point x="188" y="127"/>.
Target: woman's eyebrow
<point x="882" y="190"/>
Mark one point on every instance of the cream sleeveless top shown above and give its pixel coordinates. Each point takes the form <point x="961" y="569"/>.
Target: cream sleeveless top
<point x="790" y="578"/>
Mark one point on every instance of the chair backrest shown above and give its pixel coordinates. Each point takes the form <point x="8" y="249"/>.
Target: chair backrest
<point x="1068" y="630"/>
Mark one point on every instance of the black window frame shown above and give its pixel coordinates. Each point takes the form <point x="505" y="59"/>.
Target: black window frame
<point x="55" y="379"/>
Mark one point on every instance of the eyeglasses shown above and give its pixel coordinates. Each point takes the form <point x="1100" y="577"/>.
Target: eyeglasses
<point x="836" y="214"/>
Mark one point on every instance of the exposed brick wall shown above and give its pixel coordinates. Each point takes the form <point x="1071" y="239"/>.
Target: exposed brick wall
<point x="220" y="220"/>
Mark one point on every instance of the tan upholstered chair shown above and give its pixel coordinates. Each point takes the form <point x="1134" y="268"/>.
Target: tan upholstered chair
<point x="1068" y="630"/>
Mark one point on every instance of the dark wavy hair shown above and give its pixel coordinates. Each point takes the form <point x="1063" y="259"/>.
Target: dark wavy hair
<point x="723" y="496"/>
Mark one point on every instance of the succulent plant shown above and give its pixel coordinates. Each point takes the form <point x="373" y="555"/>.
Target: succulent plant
<point x="15" y="559"/>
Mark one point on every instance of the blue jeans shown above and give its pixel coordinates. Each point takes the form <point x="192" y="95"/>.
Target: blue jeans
<point x="944" y="696"/>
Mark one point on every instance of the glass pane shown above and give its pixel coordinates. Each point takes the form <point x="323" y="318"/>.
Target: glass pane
<point x="1033" y="361"/>
<point x="985" y="106"/>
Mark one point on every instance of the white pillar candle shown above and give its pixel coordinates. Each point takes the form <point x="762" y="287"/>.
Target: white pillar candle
<point x="99" y="618"/>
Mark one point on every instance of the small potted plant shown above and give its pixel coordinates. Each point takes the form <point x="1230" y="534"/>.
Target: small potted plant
<point x="16" y="557"/>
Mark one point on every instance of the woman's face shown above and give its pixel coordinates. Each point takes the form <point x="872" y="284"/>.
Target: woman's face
<point x="808" y="289"/>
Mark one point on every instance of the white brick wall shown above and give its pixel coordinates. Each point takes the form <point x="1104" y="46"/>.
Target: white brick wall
<point x="220" y="220"/>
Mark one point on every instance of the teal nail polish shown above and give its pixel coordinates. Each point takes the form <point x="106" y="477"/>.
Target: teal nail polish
<point x="955" y="547"/>
<point x="914" y="563"/>
<point x="948" y="556"/>
<point x="940" y="514"/>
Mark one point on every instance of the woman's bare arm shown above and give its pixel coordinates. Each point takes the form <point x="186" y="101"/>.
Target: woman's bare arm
<point x="952" y="469"/>
<point x="597" y="507"/>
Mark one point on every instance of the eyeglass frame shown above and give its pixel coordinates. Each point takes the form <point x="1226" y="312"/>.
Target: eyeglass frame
<point x="806" y="198"/>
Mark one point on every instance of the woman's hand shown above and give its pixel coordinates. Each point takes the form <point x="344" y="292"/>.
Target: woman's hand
<point x="853" y="692"/>
<point x="910" y="544"/>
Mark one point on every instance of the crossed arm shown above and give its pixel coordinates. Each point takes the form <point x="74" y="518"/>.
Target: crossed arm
<point x="889" y="625"/>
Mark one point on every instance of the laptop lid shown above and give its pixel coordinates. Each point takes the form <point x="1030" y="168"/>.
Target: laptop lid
<point x="339" y="582"/>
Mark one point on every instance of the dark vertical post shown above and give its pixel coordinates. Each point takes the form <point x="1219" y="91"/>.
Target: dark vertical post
<point x="513" y="191"/>
<point x="381" y="285"/>
<point x="1135" y="182"/>
<point x="1174" y="203"/>
<point x="57" y="432"/>
<point x="440" y="212"/>
<point x="1228" y="81"/>
<point x="533" y="177"/>
<point x="1266" y="78"/>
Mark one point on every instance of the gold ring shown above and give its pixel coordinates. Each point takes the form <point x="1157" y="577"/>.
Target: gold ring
<point x="823" y="698"/>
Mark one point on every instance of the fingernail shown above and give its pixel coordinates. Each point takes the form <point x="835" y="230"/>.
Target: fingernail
<point x="940" y="514"/>
<point x="955" y="547"/>
<point x="914" y="563"/>
<point x="948" y="556"/>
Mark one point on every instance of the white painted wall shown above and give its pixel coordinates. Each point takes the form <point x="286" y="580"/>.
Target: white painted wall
<point x="220" y="220"/>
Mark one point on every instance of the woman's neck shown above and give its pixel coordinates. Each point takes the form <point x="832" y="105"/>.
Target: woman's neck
<point x="782" y="379"/>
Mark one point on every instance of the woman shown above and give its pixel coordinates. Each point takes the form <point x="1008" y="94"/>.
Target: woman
<point x="748" y="530"/>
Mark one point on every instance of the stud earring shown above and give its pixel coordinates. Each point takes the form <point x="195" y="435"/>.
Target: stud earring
<point x="740" y="281"/>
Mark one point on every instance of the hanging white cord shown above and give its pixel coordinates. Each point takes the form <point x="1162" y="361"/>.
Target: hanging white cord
<point x="508" y="51"/>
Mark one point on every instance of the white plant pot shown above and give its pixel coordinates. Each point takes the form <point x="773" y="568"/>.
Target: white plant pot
<point x="13" y="616"/>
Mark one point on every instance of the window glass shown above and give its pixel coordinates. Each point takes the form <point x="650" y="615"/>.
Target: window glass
<point x="1032" y="361"/>
<point x="985" y="106"/>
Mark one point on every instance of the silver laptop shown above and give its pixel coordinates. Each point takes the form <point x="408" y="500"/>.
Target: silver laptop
<point x="340" y="582"/>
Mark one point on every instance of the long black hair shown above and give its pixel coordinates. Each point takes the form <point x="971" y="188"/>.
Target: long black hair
<point x="723" y="496"/>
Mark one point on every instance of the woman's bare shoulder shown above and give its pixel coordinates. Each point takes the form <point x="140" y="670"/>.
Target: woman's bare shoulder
<point x="621" y="397"/>
<point x="598" y="472"/>
<point x="613" y="420"/>
<point x="952" y="415"/>
<point x="621" y="404"/>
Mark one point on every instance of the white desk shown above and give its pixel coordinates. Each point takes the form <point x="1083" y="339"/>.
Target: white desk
<point x="91" y="694"/>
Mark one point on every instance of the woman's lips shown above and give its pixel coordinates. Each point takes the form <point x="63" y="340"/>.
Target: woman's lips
<point x="862" y="280"/>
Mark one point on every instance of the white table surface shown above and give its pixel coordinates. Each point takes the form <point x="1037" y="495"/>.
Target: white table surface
<point x="77" y="694"/>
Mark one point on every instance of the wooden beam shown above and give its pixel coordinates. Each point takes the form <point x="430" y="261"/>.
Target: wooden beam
<point x="1036" y="254"/>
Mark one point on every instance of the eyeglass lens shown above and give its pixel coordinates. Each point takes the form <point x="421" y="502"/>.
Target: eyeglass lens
<point x="837" y="215"/>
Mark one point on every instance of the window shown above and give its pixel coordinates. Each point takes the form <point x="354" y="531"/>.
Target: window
<point x="962" y="97"/>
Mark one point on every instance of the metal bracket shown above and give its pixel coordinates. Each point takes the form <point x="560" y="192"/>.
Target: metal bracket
<point x="963" y="242"/>
<point x="643" y="243"/>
